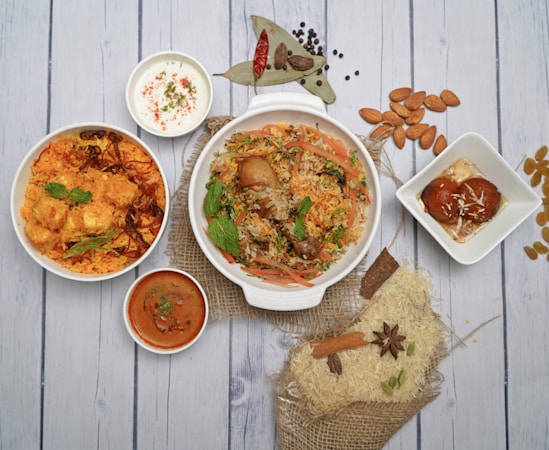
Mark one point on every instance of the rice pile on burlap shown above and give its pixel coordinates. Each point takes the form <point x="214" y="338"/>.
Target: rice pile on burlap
<point x="319" y="409"/>
<point x="226" y="300"/>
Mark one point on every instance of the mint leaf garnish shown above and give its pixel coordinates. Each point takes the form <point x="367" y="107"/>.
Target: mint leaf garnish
<point x="224" y="233"/>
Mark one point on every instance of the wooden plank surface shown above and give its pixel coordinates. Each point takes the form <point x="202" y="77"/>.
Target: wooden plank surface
<point x="70" y="375"/>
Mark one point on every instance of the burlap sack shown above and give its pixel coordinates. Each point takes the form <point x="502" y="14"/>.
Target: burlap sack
<point x="365" y="425"/>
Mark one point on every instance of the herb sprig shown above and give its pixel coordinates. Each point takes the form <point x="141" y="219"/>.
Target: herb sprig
<point x="303" y="208"/>
<point x="60" y="191"/>
<point x="221" y="229"/>
<point x="91" y="244"/>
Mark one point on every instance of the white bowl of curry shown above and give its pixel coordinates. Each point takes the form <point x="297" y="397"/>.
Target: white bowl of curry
<point x="89" y="202"/>
<point x="165" y="310"/>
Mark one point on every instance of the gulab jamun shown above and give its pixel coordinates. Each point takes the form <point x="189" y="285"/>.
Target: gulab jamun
<point x="440" y="198"/>
<point x="481" y="199"/>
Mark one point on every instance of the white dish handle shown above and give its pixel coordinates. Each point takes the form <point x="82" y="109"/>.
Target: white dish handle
<point x="291" y="99"/>
<point x="276" y="300"/>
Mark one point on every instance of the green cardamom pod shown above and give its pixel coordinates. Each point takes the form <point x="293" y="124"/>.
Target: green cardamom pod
<point x="387" y="389"/>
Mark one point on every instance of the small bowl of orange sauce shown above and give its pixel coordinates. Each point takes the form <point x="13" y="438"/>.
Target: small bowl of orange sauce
<point x="165" y="310"/>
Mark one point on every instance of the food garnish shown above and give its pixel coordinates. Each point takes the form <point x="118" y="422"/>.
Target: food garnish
<point x="224" y="233"/>
<point x="300" y="231"/>
<point x="389" y="340"/>
<point x="77" y="195"/>
<point x="91" y="244"/>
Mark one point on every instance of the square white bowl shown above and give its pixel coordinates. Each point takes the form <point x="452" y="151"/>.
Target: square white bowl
<point x="520" y="199"/>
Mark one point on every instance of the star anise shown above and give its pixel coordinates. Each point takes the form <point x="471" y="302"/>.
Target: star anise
<point x="390" y="340"/>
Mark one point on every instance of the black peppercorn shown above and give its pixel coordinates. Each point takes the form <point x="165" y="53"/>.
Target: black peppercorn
<point x="347" y="77"/>
<point x="357" y="72"/>
<point x="319" y="83"/>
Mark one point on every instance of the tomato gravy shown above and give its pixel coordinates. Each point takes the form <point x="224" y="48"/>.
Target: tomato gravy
<point x="166" y="309"/>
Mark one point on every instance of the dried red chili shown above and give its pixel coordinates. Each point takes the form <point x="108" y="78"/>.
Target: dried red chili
<point x="261" y="54"/>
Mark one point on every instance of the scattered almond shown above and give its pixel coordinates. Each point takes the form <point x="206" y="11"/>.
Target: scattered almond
<point x="415" y="100"/>
<point x="399" y="136"/>
<point x="371" y="115"/>
<point x="415" y="131"/>
<point x="440" y="144"/>
<point x="400" y="109"/>
<point x="415" y="116"/>
<point x="393" y="118"/>
<point x="449" y="98"/>
<point x="399" y="94"/>
<point x="405" y="120"/>
<point x="382" y="131"/>
<point x="434" y="103"/>
<point x="428" y="137"/>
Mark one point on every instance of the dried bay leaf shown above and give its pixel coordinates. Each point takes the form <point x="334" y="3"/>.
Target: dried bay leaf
<point x="315" y="82"/>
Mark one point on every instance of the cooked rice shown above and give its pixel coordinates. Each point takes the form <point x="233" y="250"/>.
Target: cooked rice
<point x="301" y="173"/>
<point x="127" y="203"/>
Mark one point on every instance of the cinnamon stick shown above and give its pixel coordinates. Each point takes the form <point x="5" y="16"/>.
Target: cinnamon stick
<point x="378" y="273"/>
<point x="325" y="347"/>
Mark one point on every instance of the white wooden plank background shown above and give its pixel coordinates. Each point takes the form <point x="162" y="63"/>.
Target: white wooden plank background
<point x="70" y="376"/>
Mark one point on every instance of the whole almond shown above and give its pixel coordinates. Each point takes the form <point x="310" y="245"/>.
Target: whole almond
<point x="415" y="100"/>
<point x="428" y="137"/>
<point x="399" y="94"/>
<point x="449" y="98"/>
<point x="415" y="131"/>
<point x="399" y="136"/>
<point x="415" y="116"/>
<point x="393" y="118"/>
<point x="400" y="109"/>
<point x="371" y="115"/>
<point x="434" y="103"/>
<point x="382" y="131"/>
<point x="440" y="144"/>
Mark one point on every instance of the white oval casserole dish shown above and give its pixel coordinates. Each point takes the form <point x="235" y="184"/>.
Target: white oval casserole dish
<point x="290" y="108"/>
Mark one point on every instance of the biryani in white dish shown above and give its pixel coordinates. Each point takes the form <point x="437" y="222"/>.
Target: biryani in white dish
<point x="286" y="202"/>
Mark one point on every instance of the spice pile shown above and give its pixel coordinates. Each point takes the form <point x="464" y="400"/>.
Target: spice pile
<point x="404" y="119"/>
<point x="279" y="58"/>
<point x="538" y="169"/>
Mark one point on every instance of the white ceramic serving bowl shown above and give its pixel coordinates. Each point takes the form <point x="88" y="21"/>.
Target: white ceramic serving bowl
<point x="133" y="333"/>
<point x="186" y="67"/>
<point x="520" y="199"/>
<point x="291" y="108"/>
<point x="19" y="187"/>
